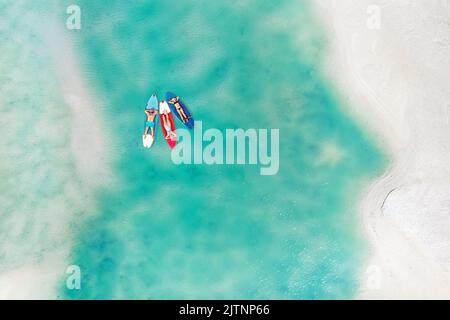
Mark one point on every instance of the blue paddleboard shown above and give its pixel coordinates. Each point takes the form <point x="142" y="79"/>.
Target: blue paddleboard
<point x="153" y="104"/>
<point x="190" y="122"/>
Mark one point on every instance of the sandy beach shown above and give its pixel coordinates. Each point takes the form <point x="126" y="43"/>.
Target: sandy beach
<point x="391" y="61"/>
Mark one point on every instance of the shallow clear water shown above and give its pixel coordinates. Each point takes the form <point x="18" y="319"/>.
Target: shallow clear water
<point x="163" y="231"/>
<point x="39" y="189"/>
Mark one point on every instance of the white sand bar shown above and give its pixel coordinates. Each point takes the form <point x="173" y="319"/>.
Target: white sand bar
<point x="391" y="61"/>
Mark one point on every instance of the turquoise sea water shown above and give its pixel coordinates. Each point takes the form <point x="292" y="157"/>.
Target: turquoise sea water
<point x="162" y="231"/>
<point x="167" y="231"/>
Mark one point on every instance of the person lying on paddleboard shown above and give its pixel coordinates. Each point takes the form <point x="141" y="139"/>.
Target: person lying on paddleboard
<point x="166" y="121"/>
<point x="149" y="125"/>
<point x="176" y="102"/>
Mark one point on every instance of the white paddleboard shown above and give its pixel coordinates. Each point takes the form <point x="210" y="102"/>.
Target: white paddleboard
<point x="147" y="141"/>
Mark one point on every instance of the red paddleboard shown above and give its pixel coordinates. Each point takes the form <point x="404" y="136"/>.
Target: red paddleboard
<point x="166" y="117"/>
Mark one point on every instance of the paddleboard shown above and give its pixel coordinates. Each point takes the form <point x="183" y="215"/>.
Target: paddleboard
<point x="147" y="140"/>
<point x="164" y="110"/>
<point x="190" y="122"/>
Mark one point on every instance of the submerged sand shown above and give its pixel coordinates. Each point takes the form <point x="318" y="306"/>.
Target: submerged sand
<point x="53" y="185"/>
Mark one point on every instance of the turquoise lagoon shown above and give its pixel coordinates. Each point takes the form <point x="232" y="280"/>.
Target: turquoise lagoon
<point x="162" y="231"/>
